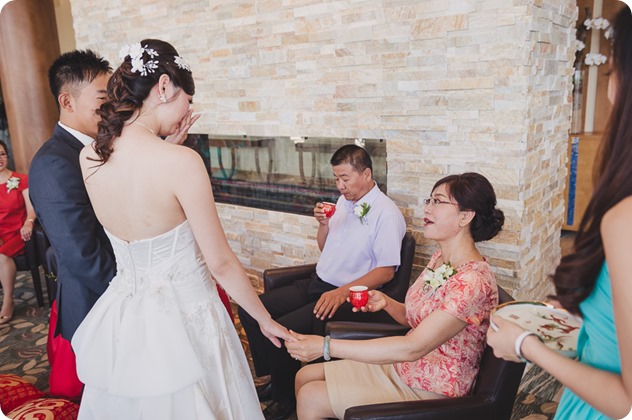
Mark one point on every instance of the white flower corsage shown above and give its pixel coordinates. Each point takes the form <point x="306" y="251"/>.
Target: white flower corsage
<point x="361" y="211"/>
<point x="12" y="183"/>
<point x="437" y="277"/>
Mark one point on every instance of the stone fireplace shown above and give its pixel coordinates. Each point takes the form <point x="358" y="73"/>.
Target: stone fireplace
<point x="451" y="86"/>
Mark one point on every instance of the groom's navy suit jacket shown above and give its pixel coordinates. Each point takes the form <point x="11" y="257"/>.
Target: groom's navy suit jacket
<point x="85" y="260"/>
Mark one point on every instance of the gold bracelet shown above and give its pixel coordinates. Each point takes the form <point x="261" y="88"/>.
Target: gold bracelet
<point x="30" y="220"/>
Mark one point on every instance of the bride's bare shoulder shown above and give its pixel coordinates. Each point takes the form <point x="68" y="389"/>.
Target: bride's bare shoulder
<point x="183" y="156"/>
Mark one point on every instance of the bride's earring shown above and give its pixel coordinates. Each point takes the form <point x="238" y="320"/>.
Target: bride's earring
<point x="163" y="98"/>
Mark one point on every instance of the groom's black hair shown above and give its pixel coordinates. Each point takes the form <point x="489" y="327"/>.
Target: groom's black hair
<point x="75" y="68"/>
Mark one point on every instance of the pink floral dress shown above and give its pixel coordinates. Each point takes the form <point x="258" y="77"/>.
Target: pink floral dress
<point x="470" y="296"/>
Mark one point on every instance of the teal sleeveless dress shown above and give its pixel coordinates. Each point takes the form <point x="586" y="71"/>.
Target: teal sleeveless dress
<point x="596" y="346"/>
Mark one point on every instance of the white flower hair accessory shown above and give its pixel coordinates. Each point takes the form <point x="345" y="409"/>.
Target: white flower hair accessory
<point x="12" y="183"/>
<point x="135" y="52"/>
<point x="181" y="63"/>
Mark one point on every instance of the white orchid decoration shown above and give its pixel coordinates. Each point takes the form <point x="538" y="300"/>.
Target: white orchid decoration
<point x="12" y="183"/>
<point x="595" y="59"/>
<point x="597" y="23"/>
<point x="437" y="277"/>
<point x="579" y="45"/>
<point x="600" y="24"/>
<point x="361" y="210"/>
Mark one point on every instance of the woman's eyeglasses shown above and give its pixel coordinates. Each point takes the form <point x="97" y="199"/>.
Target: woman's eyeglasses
<point x="436" y="201"/>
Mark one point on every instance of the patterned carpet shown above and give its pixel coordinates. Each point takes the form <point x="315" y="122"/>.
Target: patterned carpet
<point x="23" y="339"/>
<point x="23" y="352"/>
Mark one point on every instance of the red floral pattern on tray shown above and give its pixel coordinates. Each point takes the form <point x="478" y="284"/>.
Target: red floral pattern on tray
<point x="470" y="295"/>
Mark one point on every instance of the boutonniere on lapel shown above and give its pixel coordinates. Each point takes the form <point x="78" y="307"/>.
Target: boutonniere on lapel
<point x="437" y="277"/>
<point x="12" y="183"/>
<point x="361" y="210"/>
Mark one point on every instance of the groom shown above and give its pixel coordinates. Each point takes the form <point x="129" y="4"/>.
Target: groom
<point x="85" y="260"/>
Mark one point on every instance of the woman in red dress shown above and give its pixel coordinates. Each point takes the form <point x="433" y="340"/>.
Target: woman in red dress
<point x="16" y="225"/>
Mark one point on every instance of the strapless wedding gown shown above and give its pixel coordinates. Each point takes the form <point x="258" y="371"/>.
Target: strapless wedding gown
<point x="159" y="343"/>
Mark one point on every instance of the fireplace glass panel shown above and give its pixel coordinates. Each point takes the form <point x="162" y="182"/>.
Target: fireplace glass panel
<point x="289" y="174"/>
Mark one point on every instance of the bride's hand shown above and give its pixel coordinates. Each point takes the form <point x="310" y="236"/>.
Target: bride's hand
<point x="306" y="347"/>
<point x="273" y="329"/>
<point x="183" y="128"/>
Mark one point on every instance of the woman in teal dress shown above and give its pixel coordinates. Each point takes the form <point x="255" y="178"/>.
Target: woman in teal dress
<point x="596" y="280"/>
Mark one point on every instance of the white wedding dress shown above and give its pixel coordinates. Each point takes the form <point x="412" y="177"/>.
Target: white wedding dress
<point x="159" y="343"/>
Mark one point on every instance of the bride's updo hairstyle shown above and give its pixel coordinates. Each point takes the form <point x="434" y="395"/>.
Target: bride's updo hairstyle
<point x="131" y="83"/>
<point x="474" y="192"/>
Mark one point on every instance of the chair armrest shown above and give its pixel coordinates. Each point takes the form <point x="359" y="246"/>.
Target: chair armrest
<point x="41" y="241"/>
<point x="471" y="407"/>
<point x="30" y="248"/>
<point x="363" y="330"/>
<point x="274" y="278"/>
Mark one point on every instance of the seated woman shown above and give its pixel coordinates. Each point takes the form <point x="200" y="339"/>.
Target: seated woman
<point x="16" y="225"/>
<point x="448" y="309"/>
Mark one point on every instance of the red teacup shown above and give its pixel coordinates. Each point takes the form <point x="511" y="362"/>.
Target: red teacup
<point x="358" y="296"/>
<point x="329" y="209"/>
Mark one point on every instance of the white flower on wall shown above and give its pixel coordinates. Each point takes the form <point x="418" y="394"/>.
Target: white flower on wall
<point x="597" y="23"/>
<point x="595" y="59"/>
<point x="589" y="24"/>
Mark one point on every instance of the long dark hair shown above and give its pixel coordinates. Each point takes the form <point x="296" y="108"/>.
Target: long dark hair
<point x="577" y="273"/>
<point x="127" y="90"/>
<point x="474" y="192"/>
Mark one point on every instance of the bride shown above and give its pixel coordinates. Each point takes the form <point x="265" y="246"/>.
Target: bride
<point x="159" y="343"/>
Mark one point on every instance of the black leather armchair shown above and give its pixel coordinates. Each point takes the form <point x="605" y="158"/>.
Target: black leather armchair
<point x="29" y="261"/>
<point x="492" y="398"/>
<point x="46" y="255"/>
<point x="396" y="288"/>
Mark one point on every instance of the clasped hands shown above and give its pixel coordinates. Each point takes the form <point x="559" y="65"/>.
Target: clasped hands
<point x="310" y="347"/>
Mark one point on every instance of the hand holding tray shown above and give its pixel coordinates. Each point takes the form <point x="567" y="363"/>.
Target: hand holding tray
<point x="557" y="327"/>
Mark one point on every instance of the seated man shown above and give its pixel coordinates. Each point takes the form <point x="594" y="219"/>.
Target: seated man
<point x="360" y="245"/>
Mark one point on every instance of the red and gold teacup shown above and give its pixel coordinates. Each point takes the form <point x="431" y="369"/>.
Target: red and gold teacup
<point x="329" y="209"/>
<point x="358" y="296"/>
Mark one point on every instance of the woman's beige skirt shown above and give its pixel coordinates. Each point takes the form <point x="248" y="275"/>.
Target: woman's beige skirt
<point x="351" y="383"/>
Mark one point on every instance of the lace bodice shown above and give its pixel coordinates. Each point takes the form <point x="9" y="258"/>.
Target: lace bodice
<point x="150" y="256"/>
